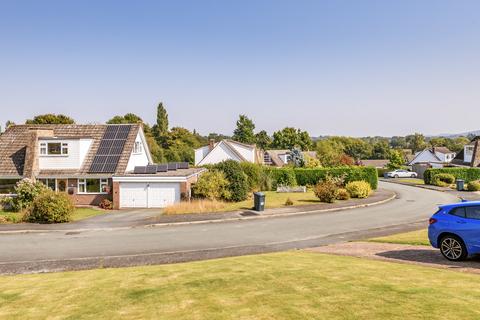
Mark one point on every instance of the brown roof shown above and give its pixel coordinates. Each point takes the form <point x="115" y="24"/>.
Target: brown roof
<point x="377" y="163"/>
<point x="16" y="145"/>
<point x="443" y="150"/>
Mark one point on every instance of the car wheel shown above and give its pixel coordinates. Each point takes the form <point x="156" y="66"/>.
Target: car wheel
<point x="395" y="176"/>
<point x="413" y="176"/>
<point x="453" y="248"/>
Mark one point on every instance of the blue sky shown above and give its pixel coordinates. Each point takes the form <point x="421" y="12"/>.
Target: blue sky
<point x="330" y="67"/>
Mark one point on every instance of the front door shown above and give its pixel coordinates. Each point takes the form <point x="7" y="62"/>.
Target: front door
<point x="62" y="185"/>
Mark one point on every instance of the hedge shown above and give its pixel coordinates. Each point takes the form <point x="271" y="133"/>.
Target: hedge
<point x="467" y="174"/>
<point x="311" y="176"/>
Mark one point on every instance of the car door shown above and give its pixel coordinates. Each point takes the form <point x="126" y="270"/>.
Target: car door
<point x="404" y="174"/>
<point x="472" y="227"/>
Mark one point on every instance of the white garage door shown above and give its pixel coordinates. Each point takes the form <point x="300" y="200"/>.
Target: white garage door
<point x="148" y="195"/>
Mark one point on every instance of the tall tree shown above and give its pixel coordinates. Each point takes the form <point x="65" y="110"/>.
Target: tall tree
<point x="128" y="118"/>
<point x="263" y="140"/>
<point x="244" y="131"/>
<point x="162" y="120"/>
<point x="51" y="118"/>
<point x="416" y="142"/>
<point x="289" y="138"/>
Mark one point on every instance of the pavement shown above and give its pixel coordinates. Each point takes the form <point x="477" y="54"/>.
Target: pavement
<point x="400" y="253"/>
<point x="144" y="245"/>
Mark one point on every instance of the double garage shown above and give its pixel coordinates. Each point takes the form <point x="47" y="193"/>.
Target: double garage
<point x="153" y="191"/>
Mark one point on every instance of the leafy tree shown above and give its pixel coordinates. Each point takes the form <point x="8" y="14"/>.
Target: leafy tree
<point x="161" y="127"/>
<point x="329" y="152"/>
<point x="263" y="140"/>
<point x="289" y="138"/>
<point x="397" y="142"/>
<point x="296" y="156"/>
<point x="381" y="150"/>
<point x="416" y="142"/>
<point x="217" y="137"/>
<point x="396" y="160"/>
<point x="51" y="118"/>
<point x="8" y="124"/>
<point x="126" y="119"/>
<point x="244" y="131"/>
<point x="311" y="162"/>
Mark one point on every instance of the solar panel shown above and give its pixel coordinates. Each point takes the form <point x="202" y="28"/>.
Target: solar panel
<point x="172" y="166"/>
<point x="139" y="170"/>
<point x="182" y="165"/>
<point x="110" y="149"/>
<point x="162" y="168"/>
<point x="151" y="169"/>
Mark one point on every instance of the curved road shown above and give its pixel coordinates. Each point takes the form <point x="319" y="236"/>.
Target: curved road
<point x="51" y="251"/>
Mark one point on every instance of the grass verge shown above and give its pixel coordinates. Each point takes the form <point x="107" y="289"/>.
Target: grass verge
<point x="272" y="200"/>
<point x="78" y="214"/>
<point x="290" y="285"/>
<point x="419" y="237"/>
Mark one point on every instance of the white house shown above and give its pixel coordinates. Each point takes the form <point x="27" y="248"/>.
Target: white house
<point x="436" y="157"/>
<point x="470" y="156"/>
<point x="226" y="150"/>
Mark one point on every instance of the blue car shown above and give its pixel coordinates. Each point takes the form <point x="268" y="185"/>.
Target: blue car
<point x="455" y="230"/>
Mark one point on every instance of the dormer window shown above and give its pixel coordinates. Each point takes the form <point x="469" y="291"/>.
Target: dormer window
<point x="54" y="148"/>
<point x="137" y="147"/>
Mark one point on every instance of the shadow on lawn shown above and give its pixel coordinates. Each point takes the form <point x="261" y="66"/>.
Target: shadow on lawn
<point x="429" y="256"/>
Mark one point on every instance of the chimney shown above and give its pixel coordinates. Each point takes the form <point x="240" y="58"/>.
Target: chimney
<point x="211" y="144"/>
<point x="31" y="166"/>
<point x="476" y="154"/>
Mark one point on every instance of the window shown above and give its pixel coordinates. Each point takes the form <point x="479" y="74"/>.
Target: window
<point x="137" y="147"/>
<point x="473" y="213"/>
<point x="54" y="148"/>
<point x="50" y="183"/>
<point x="469" y="149"/>
<point x="459" y="212"/>
<point x="92" y="185"/>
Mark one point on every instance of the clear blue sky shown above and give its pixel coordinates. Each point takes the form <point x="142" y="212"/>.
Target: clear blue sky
<point x="330" y="67"/>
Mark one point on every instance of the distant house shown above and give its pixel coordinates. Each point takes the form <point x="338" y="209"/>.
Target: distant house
<point x="280" y="158"/>
<point x="435" y="157"/>
<point x="227" y="149"/>
<point x="377" y="163"/>
<point x="470" y="155"/>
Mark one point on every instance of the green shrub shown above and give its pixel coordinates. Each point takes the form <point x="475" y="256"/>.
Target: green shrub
<point x="289" y="202"/>
<point x="50" y="207"/>
<point x="467" y="174"/>
<point x="282" y="177"/>
<point x="106" y="204"/>
<point x="381" y="172"/>
<point x="473" y="186"/>
<point x="26" y="191"/>
<point x="359" y="189"/>
<point x="342" y="194"/>
<point x="443" y="179"/>
<point x="326" y="191"/>
<point x="254" y="174"/>
<point x="238" y="180"/>
<point x="212" y="185"/>
<point x="305" y="176"/>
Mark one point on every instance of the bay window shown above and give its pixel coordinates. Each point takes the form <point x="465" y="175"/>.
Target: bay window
<point x="92" y="185"/>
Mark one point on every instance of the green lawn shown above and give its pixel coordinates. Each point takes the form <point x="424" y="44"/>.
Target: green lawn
<point x="79" y="214"/>
<point x="419" y="237"/>
<point x="290" y="285"/>
<point x="412" y="181"/>
<point x="275" y="199"/>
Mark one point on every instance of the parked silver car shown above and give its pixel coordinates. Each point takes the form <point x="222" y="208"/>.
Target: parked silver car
<point x="400" y="173"/>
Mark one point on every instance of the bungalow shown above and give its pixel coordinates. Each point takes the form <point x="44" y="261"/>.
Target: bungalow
<point x="435" y="157"/>
<point x="91" y="163"/>
<point x="233" y="150"/>
<point x="470" y="155"/>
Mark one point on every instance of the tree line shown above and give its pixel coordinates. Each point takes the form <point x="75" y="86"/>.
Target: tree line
<point x="176" y="144"/>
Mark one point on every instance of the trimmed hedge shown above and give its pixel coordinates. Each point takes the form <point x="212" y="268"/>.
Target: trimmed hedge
<point x="312" y="176"/>
<point x="281" y="177"/>
<point x="467" y="174"/>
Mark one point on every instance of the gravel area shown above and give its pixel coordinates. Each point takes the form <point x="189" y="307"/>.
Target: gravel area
<point x="419" y="255"/>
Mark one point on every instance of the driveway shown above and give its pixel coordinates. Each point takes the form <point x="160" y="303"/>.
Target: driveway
<point x="151" y="245"/>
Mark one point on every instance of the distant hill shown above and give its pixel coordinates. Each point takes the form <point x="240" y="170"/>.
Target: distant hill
<point x="456" y="135"/>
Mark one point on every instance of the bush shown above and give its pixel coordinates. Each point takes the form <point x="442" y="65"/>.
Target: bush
<point x="106" y="204"/>
<point x="359" y="189"/>
<point x="238" y="180"/>
<point x="474" y="186"/>
<point x="26" y="191"/>
<point x="212" y="185"/>
<point x="326" y="191"/>
<point x="443" y="179"/>
<point x="282" y="177"/>
<point x="467" y="174"/>
<point x="381" y="172"/>
<point x="305" y="177"/>
<point x="342" y="194"/>
<point x="289" y="202"/>
<point x="50" y="207"/>
<point x="254" y="174"/>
